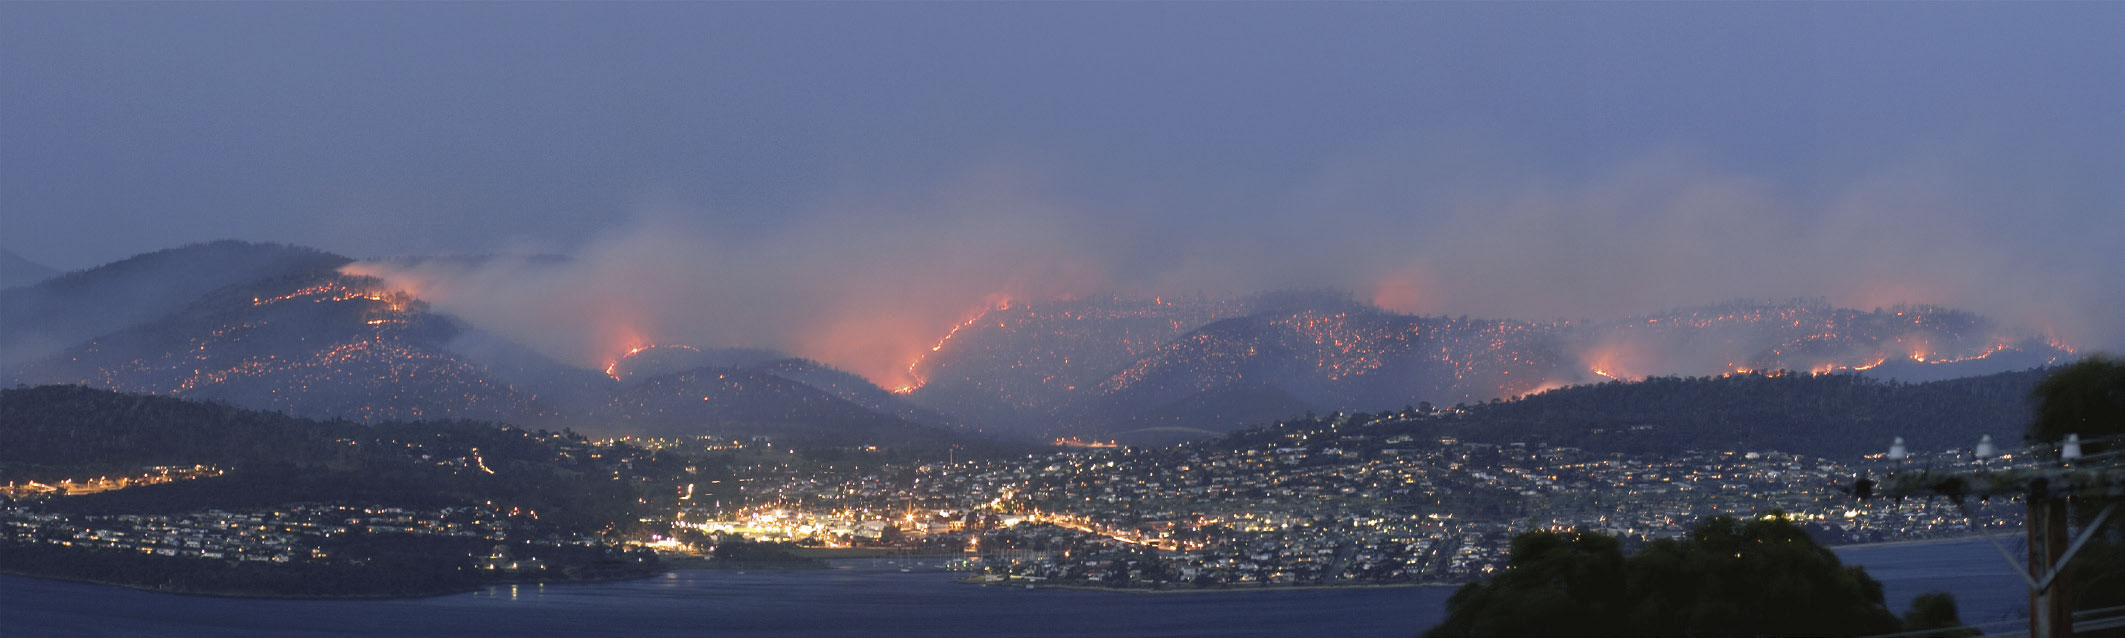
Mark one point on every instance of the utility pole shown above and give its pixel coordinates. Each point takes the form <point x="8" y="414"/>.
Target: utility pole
<point x="2051" y="599"/>
<point x="2047" y="491"/>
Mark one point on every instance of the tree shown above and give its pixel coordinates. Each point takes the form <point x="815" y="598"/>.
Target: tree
<point x="1759" y="577"/>
<point x="1936" y="611"/>
<point x="1555" y="585"/>
<point x="2086" y="398"/>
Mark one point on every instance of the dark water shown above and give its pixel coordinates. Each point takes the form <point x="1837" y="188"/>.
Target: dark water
<point x="1987" y="588"/>
<point x="864" y="598"/>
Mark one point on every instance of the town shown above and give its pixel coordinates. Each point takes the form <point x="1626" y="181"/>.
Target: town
<point x="1343" y="500"/>
<point x="1356" y="502"/>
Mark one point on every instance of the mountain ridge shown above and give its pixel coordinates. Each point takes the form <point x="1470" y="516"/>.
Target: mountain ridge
<point x="283" y="328"/>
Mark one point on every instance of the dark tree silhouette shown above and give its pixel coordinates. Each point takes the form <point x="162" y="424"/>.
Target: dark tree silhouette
<point x="1760" y="577"/>
<point x="2086" y="398"/>
<point x="1936" y="611"/>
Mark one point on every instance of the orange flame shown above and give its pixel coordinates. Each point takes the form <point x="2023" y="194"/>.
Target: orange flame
<point x="914" y="368"/>
<point x="612" y="368"/>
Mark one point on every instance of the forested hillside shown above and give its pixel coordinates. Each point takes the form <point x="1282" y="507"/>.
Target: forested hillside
<point x="73" y="432"/>
<point x="1838" y="416"/>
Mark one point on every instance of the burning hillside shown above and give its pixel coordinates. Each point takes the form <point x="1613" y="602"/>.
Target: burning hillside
<point x="1020" y="357"/>
<point x="1332" y="354"/>
<point x="332" y="346"/>
<point x="1805" y="336"/>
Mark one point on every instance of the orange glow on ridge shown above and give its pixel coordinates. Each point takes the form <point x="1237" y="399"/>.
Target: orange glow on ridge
<point x="914" y="373"/>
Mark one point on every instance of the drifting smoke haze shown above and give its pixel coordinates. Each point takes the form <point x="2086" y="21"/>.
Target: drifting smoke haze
<point x="860" y="288"/>
<point x="869" y="284"/>
<point x="847" y="182"/>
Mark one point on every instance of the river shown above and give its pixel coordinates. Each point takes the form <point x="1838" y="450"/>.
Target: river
<point x="871" y="599"/>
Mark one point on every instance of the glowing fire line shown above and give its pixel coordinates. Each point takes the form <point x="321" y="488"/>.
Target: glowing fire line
<point x="612" y="368"/>
<point x="914" y="366"/>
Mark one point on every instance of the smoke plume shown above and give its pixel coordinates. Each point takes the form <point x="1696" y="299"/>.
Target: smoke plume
<point x="869" y="281"/>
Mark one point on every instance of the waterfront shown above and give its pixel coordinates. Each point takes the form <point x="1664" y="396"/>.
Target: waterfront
<point x="869" y="598"/>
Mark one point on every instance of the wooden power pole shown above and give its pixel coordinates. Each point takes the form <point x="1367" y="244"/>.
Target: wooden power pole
<point x="2051" y="599"/>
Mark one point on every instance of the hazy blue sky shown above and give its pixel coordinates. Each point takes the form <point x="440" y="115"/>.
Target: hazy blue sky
<point x="1520" y="158"/>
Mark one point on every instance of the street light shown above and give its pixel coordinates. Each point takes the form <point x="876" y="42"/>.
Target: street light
<point x="1897" y="451"/>
<point x="1984" y="448"/>
<point x="2072" y="449"/>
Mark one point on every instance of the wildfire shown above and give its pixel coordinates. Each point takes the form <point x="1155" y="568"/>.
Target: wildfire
<point x="612" y="368"/>
<point x="333" y="291"/>
<point x="914" y="367"/>
<point x="1615" y="361"/>
<point x="1081" y="443"/>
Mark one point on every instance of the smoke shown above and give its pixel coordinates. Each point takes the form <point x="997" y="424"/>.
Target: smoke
<point x="865" y="286"/>
<point x="870" y="280"/>
<point x="1669" y="230"/>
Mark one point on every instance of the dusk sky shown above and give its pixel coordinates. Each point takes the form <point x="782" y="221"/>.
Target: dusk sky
<point x="1528" y="160"/>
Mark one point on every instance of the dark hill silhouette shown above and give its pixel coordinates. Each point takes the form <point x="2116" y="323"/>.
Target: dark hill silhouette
<point x="71" y="431"/>
<point x="67" y="309"/>
<point x="853" y="388"/>
<point x="1840" y="416"/>
<point x="752" y="402"/>
<point x="16" y="270"/>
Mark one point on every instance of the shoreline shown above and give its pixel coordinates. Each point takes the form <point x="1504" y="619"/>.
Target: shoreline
<point x="824" y="563"/>
<point x="696" y="563"/>
<point x="845" y="553"/>
<point x="1972" y="536"/>
<point x="223" y="594"/>
<point x="348" y="597"/>
<point x="1200" y="590"/>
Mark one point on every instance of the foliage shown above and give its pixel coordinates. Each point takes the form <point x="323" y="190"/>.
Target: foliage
<point x="1839" y="416"/>
<point x="1726" y="578"/>
<point x="54" y="430"/>
<point x="69" y="431"/>
<point x="2086" y="398"/>
<point x="740" y="553"/>
<point x="1936" y="611"/>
